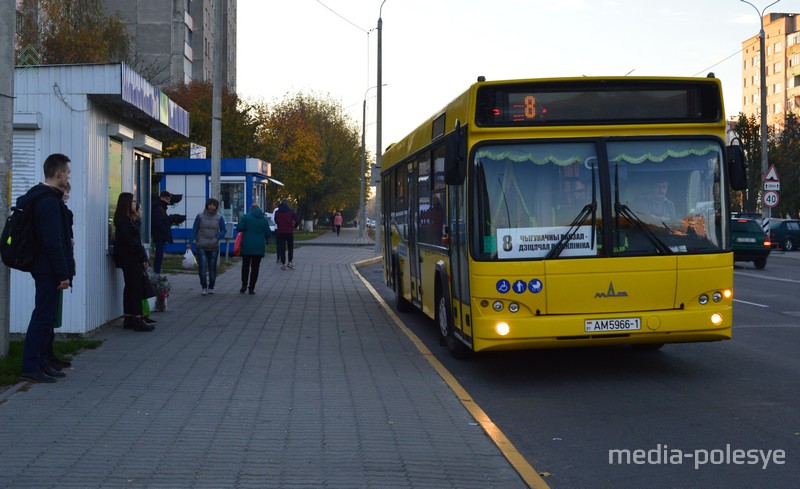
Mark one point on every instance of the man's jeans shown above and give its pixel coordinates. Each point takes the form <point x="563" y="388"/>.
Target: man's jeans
<point x="207" y="263"/>
<point x="159" y="256"/>
<point x="37" y="339"/>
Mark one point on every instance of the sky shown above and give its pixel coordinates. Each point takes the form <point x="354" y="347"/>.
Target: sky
<point x="433" y="50"/>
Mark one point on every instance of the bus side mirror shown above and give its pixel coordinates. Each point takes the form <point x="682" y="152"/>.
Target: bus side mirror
<point x="455" y="157"/>
<point x="736" y="167"/>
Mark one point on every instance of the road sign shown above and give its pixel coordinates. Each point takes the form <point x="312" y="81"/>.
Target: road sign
<point x="770" y="198"/>
<point x="772" y="175"/>
<point x="772" y="185"/>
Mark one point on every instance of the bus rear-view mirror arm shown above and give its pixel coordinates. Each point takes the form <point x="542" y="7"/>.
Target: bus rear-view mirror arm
<point x="455" y="158"/>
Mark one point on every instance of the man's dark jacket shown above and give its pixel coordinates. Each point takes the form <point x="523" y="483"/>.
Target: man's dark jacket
<point x="159" y="221"/>
<point x="53" y="229"/>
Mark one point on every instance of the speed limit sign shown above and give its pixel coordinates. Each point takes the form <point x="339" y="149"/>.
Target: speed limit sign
<point x="770" y="198"/>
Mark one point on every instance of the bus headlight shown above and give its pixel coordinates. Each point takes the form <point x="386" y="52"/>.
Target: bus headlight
<point x="502" y="328"/>
<point x="703" y="299"/>
<point x="716" y="296"/>
<point x="497" y="306"/>
<point x="716" y="319"/>
<point x="513" y="307"/>
<point x="727" y="293"/>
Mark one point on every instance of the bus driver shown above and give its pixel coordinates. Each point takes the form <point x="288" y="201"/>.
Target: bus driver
<point x="656" y="205"/>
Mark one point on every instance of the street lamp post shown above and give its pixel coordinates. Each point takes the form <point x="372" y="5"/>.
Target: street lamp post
<point x="362" y="212"/>
<point x="361" y="225"/>
<point x="762" y="55"/>
<point x="379" y="125"/>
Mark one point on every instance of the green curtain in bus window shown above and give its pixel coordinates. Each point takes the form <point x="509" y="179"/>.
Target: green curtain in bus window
<point x="532" y="187"/>
<point x="671" y="186"/>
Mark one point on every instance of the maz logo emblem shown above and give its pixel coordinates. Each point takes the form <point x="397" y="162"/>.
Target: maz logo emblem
<point x="611" y="292"/>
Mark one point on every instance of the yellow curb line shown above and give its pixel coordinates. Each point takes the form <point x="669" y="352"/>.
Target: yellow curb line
<point x="525" y="470"/>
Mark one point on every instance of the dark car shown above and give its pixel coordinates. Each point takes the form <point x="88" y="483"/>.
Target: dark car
<point x="750" y="242"/>
<point x="785" y="233"/>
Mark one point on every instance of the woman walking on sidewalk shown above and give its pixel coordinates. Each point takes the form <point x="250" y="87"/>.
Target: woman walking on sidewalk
<point x="337" y="222"/>
<point x="256" y="234"/>
<point x="286" y="220"/>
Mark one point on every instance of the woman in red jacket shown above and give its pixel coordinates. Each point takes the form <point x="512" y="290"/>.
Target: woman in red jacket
<point x="286" y="220"/>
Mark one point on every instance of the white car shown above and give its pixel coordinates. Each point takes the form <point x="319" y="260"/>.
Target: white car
<point x="370" y="223"/>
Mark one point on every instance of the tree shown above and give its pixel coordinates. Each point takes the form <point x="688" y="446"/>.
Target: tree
<point x="748" y="129"/>
<point x="316" y="150"/>
<point x="784" y="153"/>
<point x="72" y="31"/>
<point x="239" y="125"/>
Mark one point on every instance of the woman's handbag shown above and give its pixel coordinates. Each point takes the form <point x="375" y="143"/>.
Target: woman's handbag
<point x="237" y="245"/>
<point x="149" y="291"/>
<point x="189" y="261"/>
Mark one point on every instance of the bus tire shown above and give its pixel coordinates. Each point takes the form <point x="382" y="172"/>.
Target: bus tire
<point x="444" y="320"/>
<point x="400" y="302"/>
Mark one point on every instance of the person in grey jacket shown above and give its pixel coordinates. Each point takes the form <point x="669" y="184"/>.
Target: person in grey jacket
<point x="209" y="228"/>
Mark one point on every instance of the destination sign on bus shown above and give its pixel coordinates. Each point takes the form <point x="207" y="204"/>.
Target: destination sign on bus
<point x="598" y="102"/>
<point x="515" y="243"/>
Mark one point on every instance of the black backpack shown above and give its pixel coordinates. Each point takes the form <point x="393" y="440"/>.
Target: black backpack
<point x="20" y="243"/>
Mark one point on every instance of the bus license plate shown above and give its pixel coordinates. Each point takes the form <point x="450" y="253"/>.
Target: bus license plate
<point x="611" y="325"/>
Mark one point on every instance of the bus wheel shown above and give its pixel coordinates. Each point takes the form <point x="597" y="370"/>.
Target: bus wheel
<point x="444" y="320"/>
<point x="647" y="346"/>
<point x="402" y="304"/>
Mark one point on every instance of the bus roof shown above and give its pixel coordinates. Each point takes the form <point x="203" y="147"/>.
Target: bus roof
<point x="578" y="101"/>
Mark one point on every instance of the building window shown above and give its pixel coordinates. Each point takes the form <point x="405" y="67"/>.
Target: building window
<point x="777" y="47"/>
<point x="776" y="68"/>
<point x="776" y="88"/>
<point x="776" y="109"/>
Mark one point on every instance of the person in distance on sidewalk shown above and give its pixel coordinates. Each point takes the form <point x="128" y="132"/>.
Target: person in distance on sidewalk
<point x="256" y="234"/>
<point x="287" y="220"/>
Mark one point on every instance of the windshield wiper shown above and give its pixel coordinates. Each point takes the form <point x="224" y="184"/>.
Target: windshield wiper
<point x="589" y="209"/>
<point x="624" y="210"/>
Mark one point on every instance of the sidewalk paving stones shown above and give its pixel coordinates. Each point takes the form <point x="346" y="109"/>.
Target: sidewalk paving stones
<point x="305" y="384"/>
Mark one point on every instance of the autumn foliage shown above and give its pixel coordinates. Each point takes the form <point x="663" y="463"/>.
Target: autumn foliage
<point x="72" y="31"/>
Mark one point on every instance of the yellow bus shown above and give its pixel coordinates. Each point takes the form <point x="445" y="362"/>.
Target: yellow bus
<point x="566" y="212"/>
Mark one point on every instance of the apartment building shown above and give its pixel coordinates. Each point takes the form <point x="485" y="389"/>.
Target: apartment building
<point x="782" y="76"/>
<point x="174" y="39"/>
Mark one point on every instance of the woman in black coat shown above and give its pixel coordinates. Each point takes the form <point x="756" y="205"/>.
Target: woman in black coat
<point x="129" y="255"/>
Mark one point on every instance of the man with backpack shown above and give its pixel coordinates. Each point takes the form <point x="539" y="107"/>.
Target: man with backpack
<point x="52" y="268"/>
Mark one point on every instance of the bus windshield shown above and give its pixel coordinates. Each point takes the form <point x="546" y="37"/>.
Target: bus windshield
<point x="611" y="197"/>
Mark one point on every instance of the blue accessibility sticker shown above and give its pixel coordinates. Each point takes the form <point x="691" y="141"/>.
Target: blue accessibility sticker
<point x="535" y="286"/>
<point x="520" y="286"/>
<point x="503" y="286"/>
